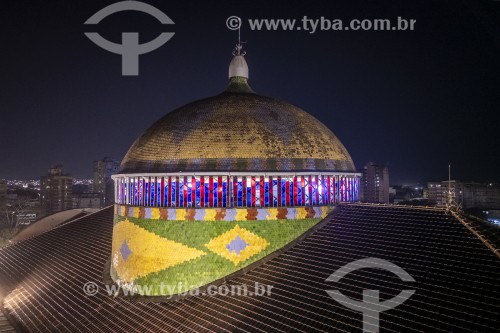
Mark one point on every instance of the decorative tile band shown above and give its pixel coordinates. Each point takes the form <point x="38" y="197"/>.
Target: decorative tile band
<point x="225" y="191"/>
<point x="222" y="214"/>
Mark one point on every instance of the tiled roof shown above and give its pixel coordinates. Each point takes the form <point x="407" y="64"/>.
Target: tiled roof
<point x="456" y="280"/>
<point x="5" y="325"/>
<point x="237" y="130"/>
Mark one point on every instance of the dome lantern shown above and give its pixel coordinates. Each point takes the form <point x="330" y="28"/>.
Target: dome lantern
<point x="238" y="66"/>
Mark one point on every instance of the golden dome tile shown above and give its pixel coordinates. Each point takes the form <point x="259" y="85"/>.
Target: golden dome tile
<point x="237" y="130"/>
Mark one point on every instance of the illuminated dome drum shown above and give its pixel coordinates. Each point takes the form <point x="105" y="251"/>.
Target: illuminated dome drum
<point x="237" y="157"/>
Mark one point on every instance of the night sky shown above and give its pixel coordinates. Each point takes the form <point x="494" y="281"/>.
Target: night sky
<point x="417" y="100"/>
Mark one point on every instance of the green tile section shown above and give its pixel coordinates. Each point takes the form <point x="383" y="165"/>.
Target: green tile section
<point x="212" y="267"/>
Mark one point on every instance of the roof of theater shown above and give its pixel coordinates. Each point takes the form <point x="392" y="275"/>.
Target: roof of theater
<point x="456" y="280"/>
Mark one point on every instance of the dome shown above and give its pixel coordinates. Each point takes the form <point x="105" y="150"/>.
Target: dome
<point x="237" y="130"/>
<point x="228" y="162"/>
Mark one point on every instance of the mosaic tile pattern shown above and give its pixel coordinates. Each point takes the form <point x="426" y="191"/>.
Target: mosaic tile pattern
<point x="162" y="253"/>
<point x="137" y="252"/>
<point x="222" y="214"/>
<point x="237" y="244"/>
<point x="237" y="130"/>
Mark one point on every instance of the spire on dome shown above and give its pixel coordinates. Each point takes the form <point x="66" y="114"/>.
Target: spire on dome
<point x="238" y="66"/>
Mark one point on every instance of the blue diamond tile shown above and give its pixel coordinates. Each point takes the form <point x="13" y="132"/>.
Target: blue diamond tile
<point x="125" y="250"/>
<point x="237" y="245"/>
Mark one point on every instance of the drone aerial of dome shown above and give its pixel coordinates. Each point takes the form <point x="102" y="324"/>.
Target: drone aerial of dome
<point x="221" y="183"/>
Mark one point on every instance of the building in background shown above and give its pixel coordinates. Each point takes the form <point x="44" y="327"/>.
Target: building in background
<point x="437" y="192"/>
<point x="467" y="194"/>
<point x="55" y="191"/>
<point x="3" y="193"/>
<point x="87" y="200"/>
<point x="102" y="182"/>
<point x="83" y="197"/>
<point x="375" y="183"/>
<point x="407" y="194"/>
<point x="19" y="203"/>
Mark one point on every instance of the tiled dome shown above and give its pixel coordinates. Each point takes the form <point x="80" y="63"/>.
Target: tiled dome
<point x="237" y="130"/>
<point x="254" y="172"/>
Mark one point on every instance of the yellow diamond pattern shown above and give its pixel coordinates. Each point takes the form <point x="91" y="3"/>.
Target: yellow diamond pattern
<point x="254" y="244"/>
<point x="273" y="213"/>
<point x="149" y="252"/>
<point x="155" y="213"/>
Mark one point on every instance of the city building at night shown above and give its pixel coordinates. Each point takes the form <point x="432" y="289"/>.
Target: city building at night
<point x="102" y="182"/>
<point x="56" y="191"/>
<point x="3" y="193"/>
<point x="375" y="183"/>
<point x="87" y="200"/>
<point x="466" y="194"/>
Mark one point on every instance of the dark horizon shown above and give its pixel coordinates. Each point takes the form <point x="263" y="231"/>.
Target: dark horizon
<point x="415" y="100"/>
